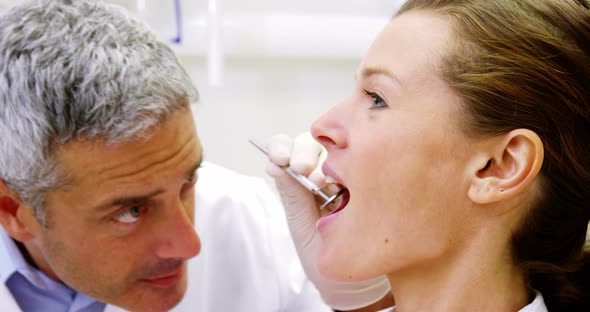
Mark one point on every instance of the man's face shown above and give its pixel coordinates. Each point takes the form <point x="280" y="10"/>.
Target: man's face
<point x="124" y="229"/>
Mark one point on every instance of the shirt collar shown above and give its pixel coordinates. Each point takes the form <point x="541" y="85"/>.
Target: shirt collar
<point x="10" y="257"/>
<point x="12" y="261"/>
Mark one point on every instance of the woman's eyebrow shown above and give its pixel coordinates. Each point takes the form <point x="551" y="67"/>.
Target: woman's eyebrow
<point x="372" y="71"/>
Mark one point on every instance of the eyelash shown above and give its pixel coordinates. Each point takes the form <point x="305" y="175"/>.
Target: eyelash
<point x="127" y="212"/>
<point x="190" y="183"/>
<point x="376" y="99"/>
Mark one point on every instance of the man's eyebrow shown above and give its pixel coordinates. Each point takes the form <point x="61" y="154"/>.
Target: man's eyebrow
<point x="190" y="175"/>
<point x="128" y="201"/>
<point x="135" y="200"/>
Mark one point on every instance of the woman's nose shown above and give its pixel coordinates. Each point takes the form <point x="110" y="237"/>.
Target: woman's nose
<point x="329" y="128"/>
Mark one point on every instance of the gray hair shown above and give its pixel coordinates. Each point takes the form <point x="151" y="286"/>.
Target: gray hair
<point x="73" y="69"/>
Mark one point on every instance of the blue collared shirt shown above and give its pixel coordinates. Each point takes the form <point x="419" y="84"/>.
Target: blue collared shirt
<point x="35" y="291"/>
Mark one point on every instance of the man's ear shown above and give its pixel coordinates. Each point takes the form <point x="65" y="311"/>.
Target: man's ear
<point x="15" y="216"/>
<point x="507" y="166"/>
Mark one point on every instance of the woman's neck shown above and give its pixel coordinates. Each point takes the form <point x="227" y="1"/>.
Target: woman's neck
<point x="477" y="276"/>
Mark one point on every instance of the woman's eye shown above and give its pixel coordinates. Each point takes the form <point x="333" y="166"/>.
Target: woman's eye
<point x="130" y="215"/>
<point x="378" y="102"/>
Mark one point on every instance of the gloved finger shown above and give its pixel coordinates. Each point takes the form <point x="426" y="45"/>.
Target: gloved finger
<point x="316" y="175"/>
<point x="280" y="148"/>
<point x="300" y="204"/>
<point x="275" y="171"/>
<point x="286" y="185"/>
<point x="305" y="153"/>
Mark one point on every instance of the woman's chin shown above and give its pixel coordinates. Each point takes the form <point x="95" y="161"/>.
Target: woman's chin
<point x="335" y="267"/>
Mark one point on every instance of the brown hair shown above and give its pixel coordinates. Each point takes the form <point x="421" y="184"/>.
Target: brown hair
<point x="526" y="64"/>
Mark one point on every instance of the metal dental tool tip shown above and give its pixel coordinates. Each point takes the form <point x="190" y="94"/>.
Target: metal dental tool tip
<point x="303" y="180"/>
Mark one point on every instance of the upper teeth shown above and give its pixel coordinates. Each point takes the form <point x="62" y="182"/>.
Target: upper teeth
<point x="330" y="180"/>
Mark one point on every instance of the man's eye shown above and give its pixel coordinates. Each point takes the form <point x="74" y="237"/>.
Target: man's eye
<point x="130" y="215"/>
<point x="192" y="179"/>
<point x="190" y="183"/>
<point x="378" y="102"/>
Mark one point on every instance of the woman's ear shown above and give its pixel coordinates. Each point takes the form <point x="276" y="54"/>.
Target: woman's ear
<point x="507" y="166"/>
<point x="15" y="216"/>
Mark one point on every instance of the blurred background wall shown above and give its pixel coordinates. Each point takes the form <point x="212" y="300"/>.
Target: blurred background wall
<point x="262" y="66"/>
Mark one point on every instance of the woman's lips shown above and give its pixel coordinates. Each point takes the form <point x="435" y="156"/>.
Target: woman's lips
<point x="328" y="172"/>
<point x="325" y="220"/>
<point x="342" y="202"/>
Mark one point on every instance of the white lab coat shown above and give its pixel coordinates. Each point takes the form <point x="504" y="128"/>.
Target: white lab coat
<point x="247" y="260"/>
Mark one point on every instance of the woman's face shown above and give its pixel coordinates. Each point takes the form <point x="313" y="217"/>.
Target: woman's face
<point x="396" y="146"/>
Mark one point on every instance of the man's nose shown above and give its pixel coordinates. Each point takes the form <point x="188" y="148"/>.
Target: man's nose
<point x="180" y="241"/>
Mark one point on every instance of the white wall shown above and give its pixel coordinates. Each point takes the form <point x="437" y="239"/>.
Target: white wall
<point x="260" y="98"/>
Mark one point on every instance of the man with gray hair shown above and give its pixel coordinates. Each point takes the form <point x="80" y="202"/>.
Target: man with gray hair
<point x="98" y="165"/>
<point x="98" y="158"/>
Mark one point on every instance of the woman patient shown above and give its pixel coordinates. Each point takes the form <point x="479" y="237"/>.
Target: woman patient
<point x="465" y="152"/>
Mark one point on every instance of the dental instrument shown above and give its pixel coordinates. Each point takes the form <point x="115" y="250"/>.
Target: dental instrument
<point x="308" y="184"/>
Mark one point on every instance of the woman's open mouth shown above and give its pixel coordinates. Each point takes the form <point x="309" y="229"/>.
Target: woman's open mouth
<point x="340" y="204"/>
<point x="341" y="201"/>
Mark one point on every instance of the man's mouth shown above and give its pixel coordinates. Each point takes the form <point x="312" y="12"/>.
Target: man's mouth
<point x="167" y="278"/>
<point x="165" y="281"/>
